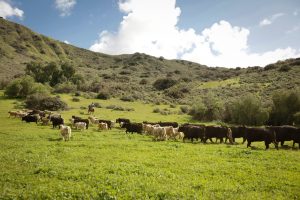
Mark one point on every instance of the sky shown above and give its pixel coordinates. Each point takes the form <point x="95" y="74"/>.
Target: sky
<point x="227" y="33"/>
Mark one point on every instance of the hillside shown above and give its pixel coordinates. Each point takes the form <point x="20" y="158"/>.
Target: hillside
<point x="135" y="74"/>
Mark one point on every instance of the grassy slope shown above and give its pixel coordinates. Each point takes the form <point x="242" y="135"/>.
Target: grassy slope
<point x="122" y="74"/>
<point x="34" y="163"/>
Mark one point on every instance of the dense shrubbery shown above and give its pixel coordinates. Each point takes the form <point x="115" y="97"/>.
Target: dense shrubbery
<point x="22" y="87"/>
<point x="164" y="83"/>
<point x="208" y="110"/>
<point x="53" y="73"/>
<point x="248" y="111"/>
<point x="45" y="102"/>
<point x="67" y="87"/>
<point x="285" y="106"/>
<point x="103" y="95"/>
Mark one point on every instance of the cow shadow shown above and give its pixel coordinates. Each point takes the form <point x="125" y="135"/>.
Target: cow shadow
<point x="54" y="139"/>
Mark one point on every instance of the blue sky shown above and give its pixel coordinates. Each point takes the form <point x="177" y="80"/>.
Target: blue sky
<point x="213" y="32"/>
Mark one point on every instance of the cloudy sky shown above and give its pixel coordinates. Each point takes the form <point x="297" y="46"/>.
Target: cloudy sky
<point x="226" y="33"/>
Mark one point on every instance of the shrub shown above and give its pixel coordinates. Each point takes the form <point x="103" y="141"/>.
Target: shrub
<point x="184" y="109"/>
<point x="198" y="110"/>
<point x="65" y="88"/>
<point x="22" y="87"/>
<point x="164" y="83"/>
<point x="97" y="105"/>
<point x="248" y="111"/>
<point x="156" y="110"/>
<point x="103" y="95"/>
<point x="127" y="98"/>
<point x="285" y="106"/>
<point x="44" y="102"/>
<point x="77" y="94"/>
<point x="74" y="99"/>
<point x="284" y="68"/>
<point x="143" y="81"/>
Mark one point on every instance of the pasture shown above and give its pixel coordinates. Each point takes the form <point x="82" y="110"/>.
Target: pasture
<point x="36" y="164"/>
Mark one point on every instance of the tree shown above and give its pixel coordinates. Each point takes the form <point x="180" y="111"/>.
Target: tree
<point x="68" y="70"/>
<point x="285" y="106"/>
<point x="248" y="111"/>
<point x="22" y="87"/>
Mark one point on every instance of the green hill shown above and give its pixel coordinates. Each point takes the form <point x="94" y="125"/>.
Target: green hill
<point x="133" y="75"/>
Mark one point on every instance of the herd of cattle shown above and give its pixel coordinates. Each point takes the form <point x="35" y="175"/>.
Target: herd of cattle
<point x="167" y="130"/>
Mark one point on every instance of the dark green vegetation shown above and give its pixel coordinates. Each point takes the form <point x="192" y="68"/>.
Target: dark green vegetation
<point x="36" y="164"/>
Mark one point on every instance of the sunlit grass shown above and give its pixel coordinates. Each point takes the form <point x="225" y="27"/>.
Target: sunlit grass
<point x="36" y="164"/>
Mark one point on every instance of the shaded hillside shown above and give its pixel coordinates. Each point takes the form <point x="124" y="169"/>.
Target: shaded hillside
<point x="134" y="75"/>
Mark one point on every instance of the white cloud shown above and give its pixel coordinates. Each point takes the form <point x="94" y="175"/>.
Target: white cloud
<point x="151" y="27"/>
<point x="67" y="42"/>
<point x="268" y="21"/>
<point x="65" y="6"/>
<point x="295" y="13"/>
<point x="6" y="10"/>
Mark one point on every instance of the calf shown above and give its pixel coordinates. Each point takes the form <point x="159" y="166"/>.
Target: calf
<point x="260" y="134"/>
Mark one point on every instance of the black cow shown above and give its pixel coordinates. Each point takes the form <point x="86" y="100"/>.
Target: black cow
<point x="82" y="120"/>
<point x="192" y="132"/>
<point x="30" y="118"/>
<point x="133" y="127"/>
<point x="108" y="122"/>
<point x="123" y="120"/>
<point x="260" y="134"/>
<point x="218" y="132"/>
<point x="296" y="137"/>
<point x="237" y="132"/>
<point x="283" y="133"/>
<point x="56" y="121"/>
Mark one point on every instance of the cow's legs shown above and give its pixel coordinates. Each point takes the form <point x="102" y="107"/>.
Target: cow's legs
<point x="248" y="144"/>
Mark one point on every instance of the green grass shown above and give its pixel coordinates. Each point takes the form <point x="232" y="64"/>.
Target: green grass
<point x="214" y="84"/>
<point x="36" y="164"/>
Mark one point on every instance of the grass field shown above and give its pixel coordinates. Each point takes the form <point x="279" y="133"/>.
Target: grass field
<point x="36" y="164"/>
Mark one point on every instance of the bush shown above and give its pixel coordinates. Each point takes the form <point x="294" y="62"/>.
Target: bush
<point x="143" y="81"/>
<point x="103" y="95"/>
<point x="198" y="110"/>
<point x="184" y="109"/>
<point x="77" y="94"/>
<point x="164" y="83"/>
<point x="65" y="88"/>
<point x="127" y="98"/>
<point x="248" y="111"/>
<point x="22" y="87"/>
<point x="97" y="105"/>
<point x="285" y="106"/>
<point x="44" y="102"/>
<point x="74" y="99"/>
<point x="156" y="110"/>
<point x="284" y="68"/>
